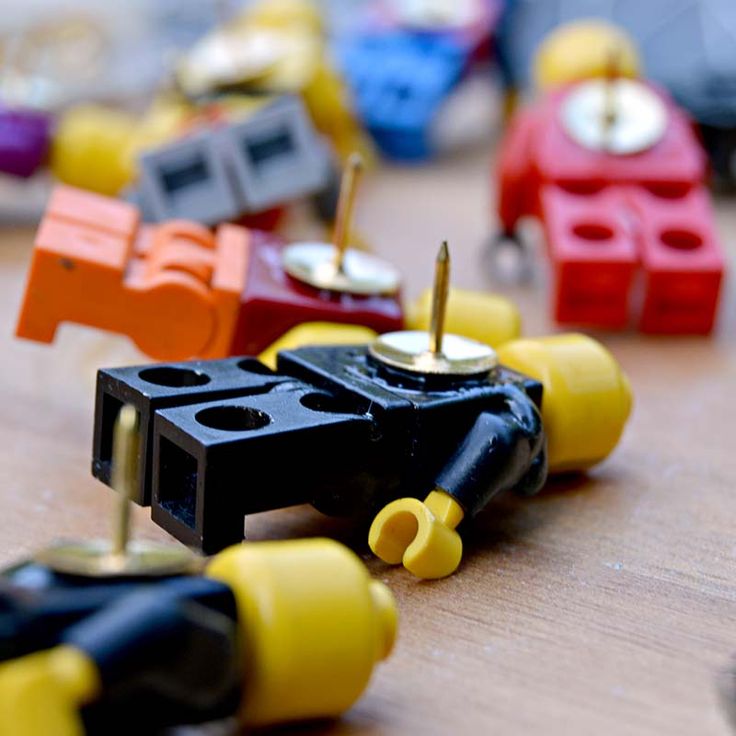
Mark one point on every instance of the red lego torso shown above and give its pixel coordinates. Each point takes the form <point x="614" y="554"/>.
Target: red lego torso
<point x="274" y="302"/>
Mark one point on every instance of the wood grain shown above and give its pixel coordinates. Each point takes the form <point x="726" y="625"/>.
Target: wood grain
<point x="604" y="606"/>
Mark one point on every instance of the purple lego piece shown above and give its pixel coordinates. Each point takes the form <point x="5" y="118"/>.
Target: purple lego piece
<point x="24" y="140"/>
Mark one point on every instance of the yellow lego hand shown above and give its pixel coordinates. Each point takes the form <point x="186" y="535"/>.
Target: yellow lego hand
<point x="421" y="534"/>
<point x="41" y="694"/>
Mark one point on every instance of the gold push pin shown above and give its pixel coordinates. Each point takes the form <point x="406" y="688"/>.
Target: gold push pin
<point x="614" y="114"/>
<point x="120" y="557"/>
<point x="334" y="266"/>
<point x="434" y="352"/>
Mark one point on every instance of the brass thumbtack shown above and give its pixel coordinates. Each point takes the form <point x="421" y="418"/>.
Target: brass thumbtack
<point x="120" y="557"/>
<point x="434" y="352"/>
<point x="345" y="204"/>
<point x="614" y="114"/>
<point x="334" y="266"/>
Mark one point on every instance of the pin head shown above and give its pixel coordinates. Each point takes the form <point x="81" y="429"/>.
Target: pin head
<point x="230" y="57"/>
<point x="361" y="273"/>
<point x="96" y="559"/>
<point x="639" y="122"/>
<point x="336" y="267"/>
<point x="410" y="350"/>
<point x="119" y="557"/>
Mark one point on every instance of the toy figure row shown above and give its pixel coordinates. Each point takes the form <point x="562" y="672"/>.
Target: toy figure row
<point x="369" y="429"/>
<point x="212" y="132"/>
<point x="272" y="47"/>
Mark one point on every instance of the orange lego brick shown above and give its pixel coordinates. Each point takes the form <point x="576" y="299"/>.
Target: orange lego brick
<point x="103" y="213"/>
<point x="174" y="289"/>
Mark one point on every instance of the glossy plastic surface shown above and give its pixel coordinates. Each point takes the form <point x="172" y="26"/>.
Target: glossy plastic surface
<point x="273" y="302"/>
<point x="420" y="535"/>
<point x="24" y="140"/>
<point x="616" y="225"/>
<point x="272" y="632"/>
<point x="316" y="333"/>
<point x="586" y="401"/>
<point x="584" y="49"/>
<point x="43" y="693"/>
<point x="488" y="318"/>
<point x="174" y="289"/>
<point x="315" y="625"/>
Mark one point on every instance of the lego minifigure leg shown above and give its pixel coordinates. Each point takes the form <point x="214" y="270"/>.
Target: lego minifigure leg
<point x="682" y="260"/>
<point x="592" y="253"/>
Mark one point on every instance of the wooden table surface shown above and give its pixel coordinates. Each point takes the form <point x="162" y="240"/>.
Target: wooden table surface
<point x="603" y="606"/>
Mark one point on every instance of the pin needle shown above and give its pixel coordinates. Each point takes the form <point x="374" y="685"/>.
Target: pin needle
<point x="440" y="292"/>
<point x="348" y="188"/>
<point x="610" y="113"/>
<point x="124" y="464"/>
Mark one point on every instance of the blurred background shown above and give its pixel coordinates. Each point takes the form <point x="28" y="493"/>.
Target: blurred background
<point x="432" y="56"/>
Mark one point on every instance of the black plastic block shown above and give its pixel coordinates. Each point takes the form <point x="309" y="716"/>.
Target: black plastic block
<point x="150" y="388"/>
<point x="215" y="462"/>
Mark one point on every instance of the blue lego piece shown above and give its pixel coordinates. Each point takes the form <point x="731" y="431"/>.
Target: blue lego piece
<point x="399" y="81"/>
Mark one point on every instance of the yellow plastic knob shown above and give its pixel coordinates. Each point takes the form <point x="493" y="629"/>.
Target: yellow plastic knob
<point x="488" y="318"/>
<point x="584" y="49"/>
<point x="313" y="625"/>
<point x="586" y="399"/>
<point x="42" y="694"/>
<point x="316" y="333"/>
<point x="91" y="149"/>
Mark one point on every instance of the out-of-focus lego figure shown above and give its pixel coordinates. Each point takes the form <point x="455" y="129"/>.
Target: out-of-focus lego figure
<point x="612" y="168"/>
<point x="686" y="46"/>
<point x="405" y="62"/>
<point x="277" y="47"/>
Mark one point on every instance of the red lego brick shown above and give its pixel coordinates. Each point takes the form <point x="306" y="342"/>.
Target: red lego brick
<point x="593" y="256"/>
<point x="676" y="158"/>
<point x="682" y="260"/>
<point x="273" y="302"/>
<point x="516" y="197"/>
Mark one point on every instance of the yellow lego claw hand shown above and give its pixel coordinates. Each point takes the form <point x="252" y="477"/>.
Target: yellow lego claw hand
<point x="41" y="694"/>
<point x="419" y="534"/>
